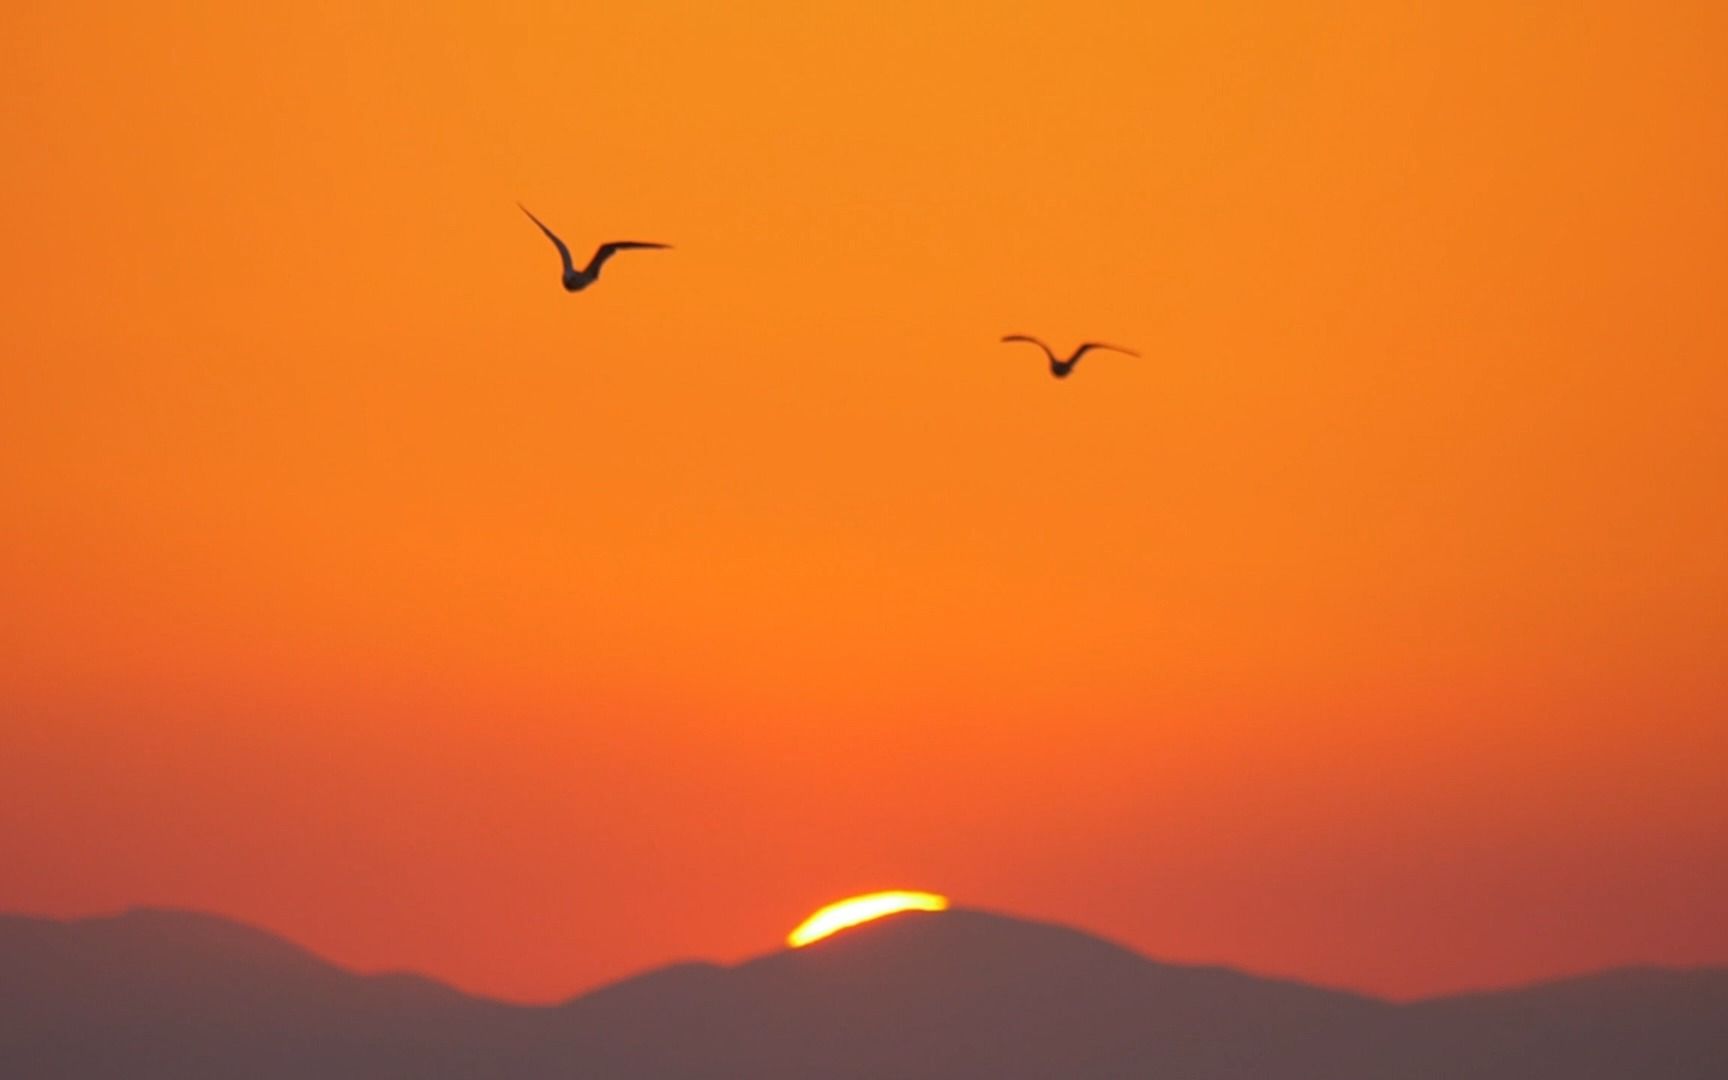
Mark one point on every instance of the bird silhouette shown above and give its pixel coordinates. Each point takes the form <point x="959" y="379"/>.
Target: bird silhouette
<point x="576" y="280"/>
<point x="1061" y="368"/>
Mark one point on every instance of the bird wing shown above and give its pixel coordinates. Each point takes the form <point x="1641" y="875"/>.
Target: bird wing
<point x="606" y="251"/>
<point x="1090" y="345"/>
<point x="563" y="252"/>
<point x="1032" y="341"/>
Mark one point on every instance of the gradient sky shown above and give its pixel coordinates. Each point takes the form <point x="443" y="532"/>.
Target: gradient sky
<point x="357" y="582"/>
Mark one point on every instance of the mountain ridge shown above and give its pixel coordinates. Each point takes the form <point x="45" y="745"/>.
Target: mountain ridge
<point x="156" y="993"/>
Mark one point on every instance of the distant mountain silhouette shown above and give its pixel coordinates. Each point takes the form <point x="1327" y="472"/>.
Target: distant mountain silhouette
<point x="956" y="995"/>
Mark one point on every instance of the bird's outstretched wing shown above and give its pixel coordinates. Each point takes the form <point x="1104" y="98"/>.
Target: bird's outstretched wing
<point x="1032" y="341"/>
<point x="606" y="251"/>
<point x="1090" y="345"/>
<point x="563" y="252"/>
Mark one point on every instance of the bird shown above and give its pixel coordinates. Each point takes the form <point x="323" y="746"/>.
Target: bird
<point x="1061" y="368"/>
<point x="576" y="280"/>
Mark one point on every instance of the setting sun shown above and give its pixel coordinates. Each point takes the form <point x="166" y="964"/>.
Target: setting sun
<point x="860" y="909"/>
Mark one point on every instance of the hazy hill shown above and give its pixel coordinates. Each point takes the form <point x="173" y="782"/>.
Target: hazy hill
<point x="164" y="994"/>
<point x="153" y="995"/>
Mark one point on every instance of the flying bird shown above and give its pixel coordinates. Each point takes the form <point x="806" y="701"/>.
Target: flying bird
<point x="576" y="280"/>
<point x="1061" y="368"/>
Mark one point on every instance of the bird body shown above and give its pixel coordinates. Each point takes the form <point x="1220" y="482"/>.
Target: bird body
<point x="1061" y="368"/>
<point x="575" y="280"/>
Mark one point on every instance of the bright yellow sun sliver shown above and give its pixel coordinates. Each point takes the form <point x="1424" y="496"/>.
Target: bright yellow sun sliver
<point x="859" y="909"/>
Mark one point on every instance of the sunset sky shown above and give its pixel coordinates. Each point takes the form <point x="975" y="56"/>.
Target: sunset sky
<point x="1372" y="628"/>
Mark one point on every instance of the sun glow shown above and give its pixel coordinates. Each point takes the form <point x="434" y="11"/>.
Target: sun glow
<point x="859" y="909"/>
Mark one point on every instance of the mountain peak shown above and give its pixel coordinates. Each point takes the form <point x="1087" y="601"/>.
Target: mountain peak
<point x="197" y="935"/>
<point x="964" y="937"/>
<point x="962" y="994"/>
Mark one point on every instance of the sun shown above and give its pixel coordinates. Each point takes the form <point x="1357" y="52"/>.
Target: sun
<point x="860" y="909"/>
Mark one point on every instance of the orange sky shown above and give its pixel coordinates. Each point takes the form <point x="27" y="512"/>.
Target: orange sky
<point x="358" y="582"/>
